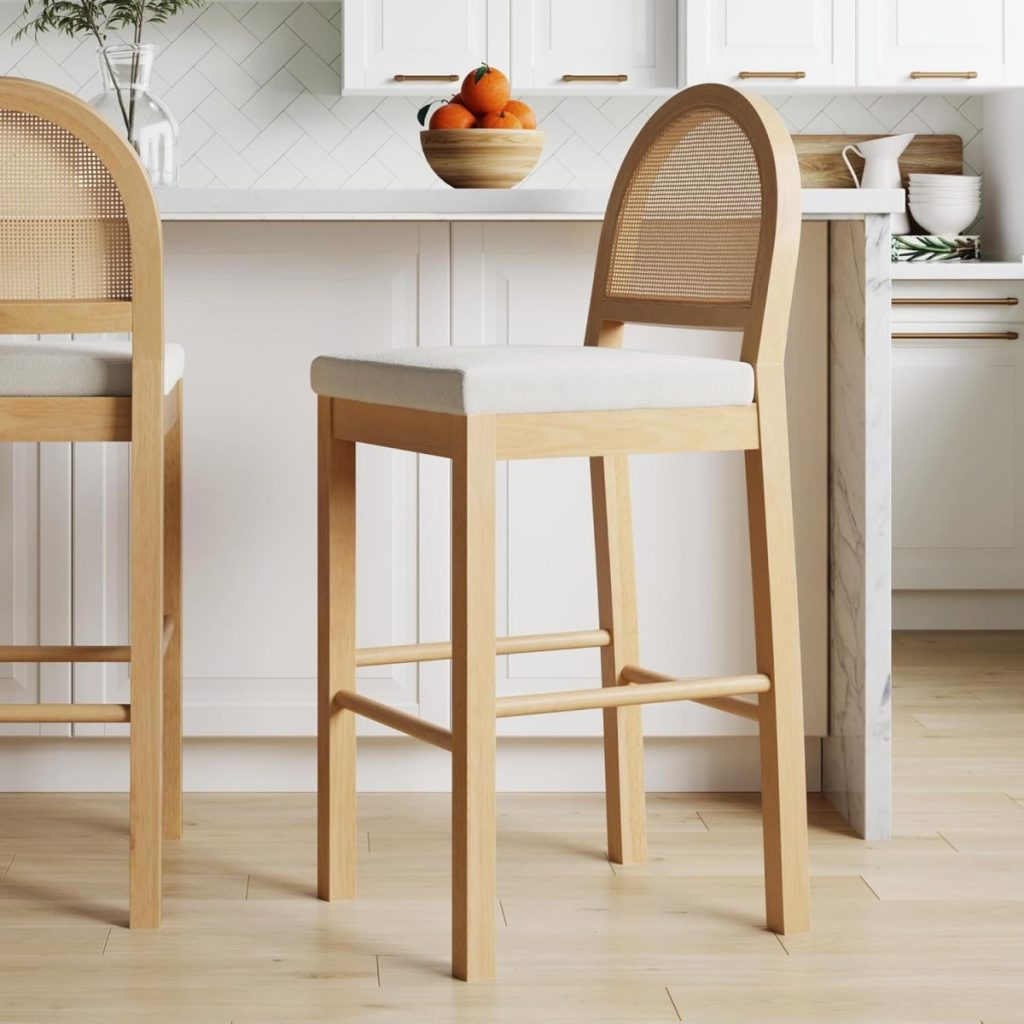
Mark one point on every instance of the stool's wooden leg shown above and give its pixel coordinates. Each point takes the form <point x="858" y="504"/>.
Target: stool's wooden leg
<point x="172" y="607"/>
<point x="616" y="594"/>
<point x="773" y="558"/>
<point x="474" y="828"/>
<point x="336" y="626"/>
<point x="147" y="596"/>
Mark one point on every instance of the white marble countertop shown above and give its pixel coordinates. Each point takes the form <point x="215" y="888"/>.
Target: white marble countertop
<point x="466" y="204"/>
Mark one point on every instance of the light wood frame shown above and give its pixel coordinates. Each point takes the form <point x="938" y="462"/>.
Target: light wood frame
<point x="474" y="444"/>
<point x="152" y="422"/>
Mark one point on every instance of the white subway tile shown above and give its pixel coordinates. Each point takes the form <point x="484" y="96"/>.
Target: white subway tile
<point x="272" y="98"/>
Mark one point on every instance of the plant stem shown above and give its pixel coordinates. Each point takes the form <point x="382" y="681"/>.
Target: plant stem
<point x="113" y="82"/>
<point x="135" y="72"/>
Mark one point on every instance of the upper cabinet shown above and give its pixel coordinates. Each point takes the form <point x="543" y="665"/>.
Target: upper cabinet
<point x="407" y="45"/>
<point x="646" y="45"/>
<point x="791" y="43"/>
<point x="594" y="44"/>
<point x="940" y="43"/>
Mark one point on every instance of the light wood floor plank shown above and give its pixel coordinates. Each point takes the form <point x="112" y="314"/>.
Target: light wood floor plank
<point x="927" y="929"/>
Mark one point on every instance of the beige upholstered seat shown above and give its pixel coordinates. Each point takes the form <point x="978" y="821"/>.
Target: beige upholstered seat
<point x="471" y="379"/>
<point x="83" y="368"/>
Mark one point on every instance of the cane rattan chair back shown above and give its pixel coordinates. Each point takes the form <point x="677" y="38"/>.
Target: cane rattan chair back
<point x="702" y="220"/>
<point x="77" y="216"/>
<point x="60" y="214"/>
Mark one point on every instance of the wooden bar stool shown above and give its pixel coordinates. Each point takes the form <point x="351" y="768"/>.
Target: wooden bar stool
<point x="81" y="253"/>
<point x="702" y="230"/>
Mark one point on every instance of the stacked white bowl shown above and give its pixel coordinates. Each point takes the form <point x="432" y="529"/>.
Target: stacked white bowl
<point x="945" y="204"/>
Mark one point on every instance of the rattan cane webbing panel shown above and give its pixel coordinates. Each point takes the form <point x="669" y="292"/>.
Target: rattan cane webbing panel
<point x="63" y="229"/>
<point x="690" y="220"/>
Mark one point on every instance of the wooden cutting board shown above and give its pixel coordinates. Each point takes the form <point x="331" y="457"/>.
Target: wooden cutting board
<point x="821" y="162"/>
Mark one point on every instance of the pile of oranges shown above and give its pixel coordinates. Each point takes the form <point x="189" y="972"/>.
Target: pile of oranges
<point x="483" y="102"/>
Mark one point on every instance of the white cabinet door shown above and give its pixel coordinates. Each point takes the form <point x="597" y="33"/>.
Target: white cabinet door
<point x="958" y="458"/>
<point x="252" y="304"/>
<point x="604" y="38"/>
<point x="409" y="45"/>
<point x="938" y="43"/>
<point x="788" y="43"/>
<point x="530" y="284"/>
<point x="35" y="574"/>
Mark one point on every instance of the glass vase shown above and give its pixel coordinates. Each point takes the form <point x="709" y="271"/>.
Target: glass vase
<point x="128" y="105"/>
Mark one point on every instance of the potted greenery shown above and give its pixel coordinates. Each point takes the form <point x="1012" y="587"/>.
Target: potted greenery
<point x="126" y="68"/>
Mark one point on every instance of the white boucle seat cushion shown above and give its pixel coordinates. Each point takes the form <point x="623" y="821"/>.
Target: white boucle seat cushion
<point x="84" y="368"/>
<point x="471" y="379"/>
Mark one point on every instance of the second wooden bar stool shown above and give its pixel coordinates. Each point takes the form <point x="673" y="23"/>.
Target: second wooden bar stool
<point x="81" y="254"/>
<point x="702" y="230"/>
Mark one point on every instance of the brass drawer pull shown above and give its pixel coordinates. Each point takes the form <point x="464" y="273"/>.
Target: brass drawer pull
<point x="595" y="78"/>
<point x="943" y="74"/>
<point x="426" y="78"/>
<point x="772" y="74"/>
<point x="1008" y="301"/>
<point x="956" y="336"/>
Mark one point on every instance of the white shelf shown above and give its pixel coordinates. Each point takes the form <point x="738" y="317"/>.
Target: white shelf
<point x="953" y="271"/>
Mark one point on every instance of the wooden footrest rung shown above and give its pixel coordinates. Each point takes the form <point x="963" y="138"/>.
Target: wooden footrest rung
<point x="631" y="693"/>
<point x="46" y="653"/>
<point x="732" y="703"/>
<point x="30" y="713"/>
<point x="405" y="653"/>
<point x="395" y="719"/>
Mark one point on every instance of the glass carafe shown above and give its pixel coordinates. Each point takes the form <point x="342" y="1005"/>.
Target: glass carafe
<point x="128" y="105"/>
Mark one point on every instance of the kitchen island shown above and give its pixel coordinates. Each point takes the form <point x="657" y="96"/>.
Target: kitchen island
<point x="856" y="752"/>
<point x="259" y="281"/>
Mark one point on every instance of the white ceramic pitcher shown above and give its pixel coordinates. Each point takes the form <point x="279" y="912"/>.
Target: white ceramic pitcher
<point x="882" y="169"/>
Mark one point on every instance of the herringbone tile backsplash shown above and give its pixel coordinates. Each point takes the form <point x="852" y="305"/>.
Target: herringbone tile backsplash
<point x="256" y="89"/>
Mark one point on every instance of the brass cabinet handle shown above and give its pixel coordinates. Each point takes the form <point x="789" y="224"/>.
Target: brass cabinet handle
<point x="595" y="78"/>
<point x="426" y="78"/>
<point x="771" y="74"/>
<point x="943" y="74"/>
<point x="1010" y="300"/>
<point x="956" y="336"/>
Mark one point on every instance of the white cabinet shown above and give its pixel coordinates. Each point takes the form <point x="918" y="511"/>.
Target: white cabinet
<point x="940" y="43"/>
<point x="789" y="43"/>
<point x="252" y="304"/>
<point x="621" y="43"/>
<point x="63" y="572"/>
<point x="958" y="438"/>
<point x="409" y="45"/>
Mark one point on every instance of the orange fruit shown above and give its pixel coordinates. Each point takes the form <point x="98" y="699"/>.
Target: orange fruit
<point x="508" y="122"/>
<point x="485" y="90"/>
<point x="452" y="115"/>
<point x="526" y="116"/>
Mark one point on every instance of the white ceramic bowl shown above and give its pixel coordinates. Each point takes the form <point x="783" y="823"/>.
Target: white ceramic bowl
<point x="947" y="189"/>
<point x="939" y="217"/>
<point x="940" y="195"/>
<point x="945" y="197"/>
<point x="945" y="179"/>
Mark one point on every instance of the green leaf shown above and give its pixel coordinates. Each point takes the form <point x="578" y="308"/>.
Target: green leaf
<point x="421" y="114"/>
<point x="481" y="71"/>
<point x="97" y="17"/>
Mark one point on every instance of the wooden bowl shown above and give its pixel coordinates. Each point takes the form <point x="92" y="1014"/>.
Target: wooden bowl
<point x="482" y="157"/>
